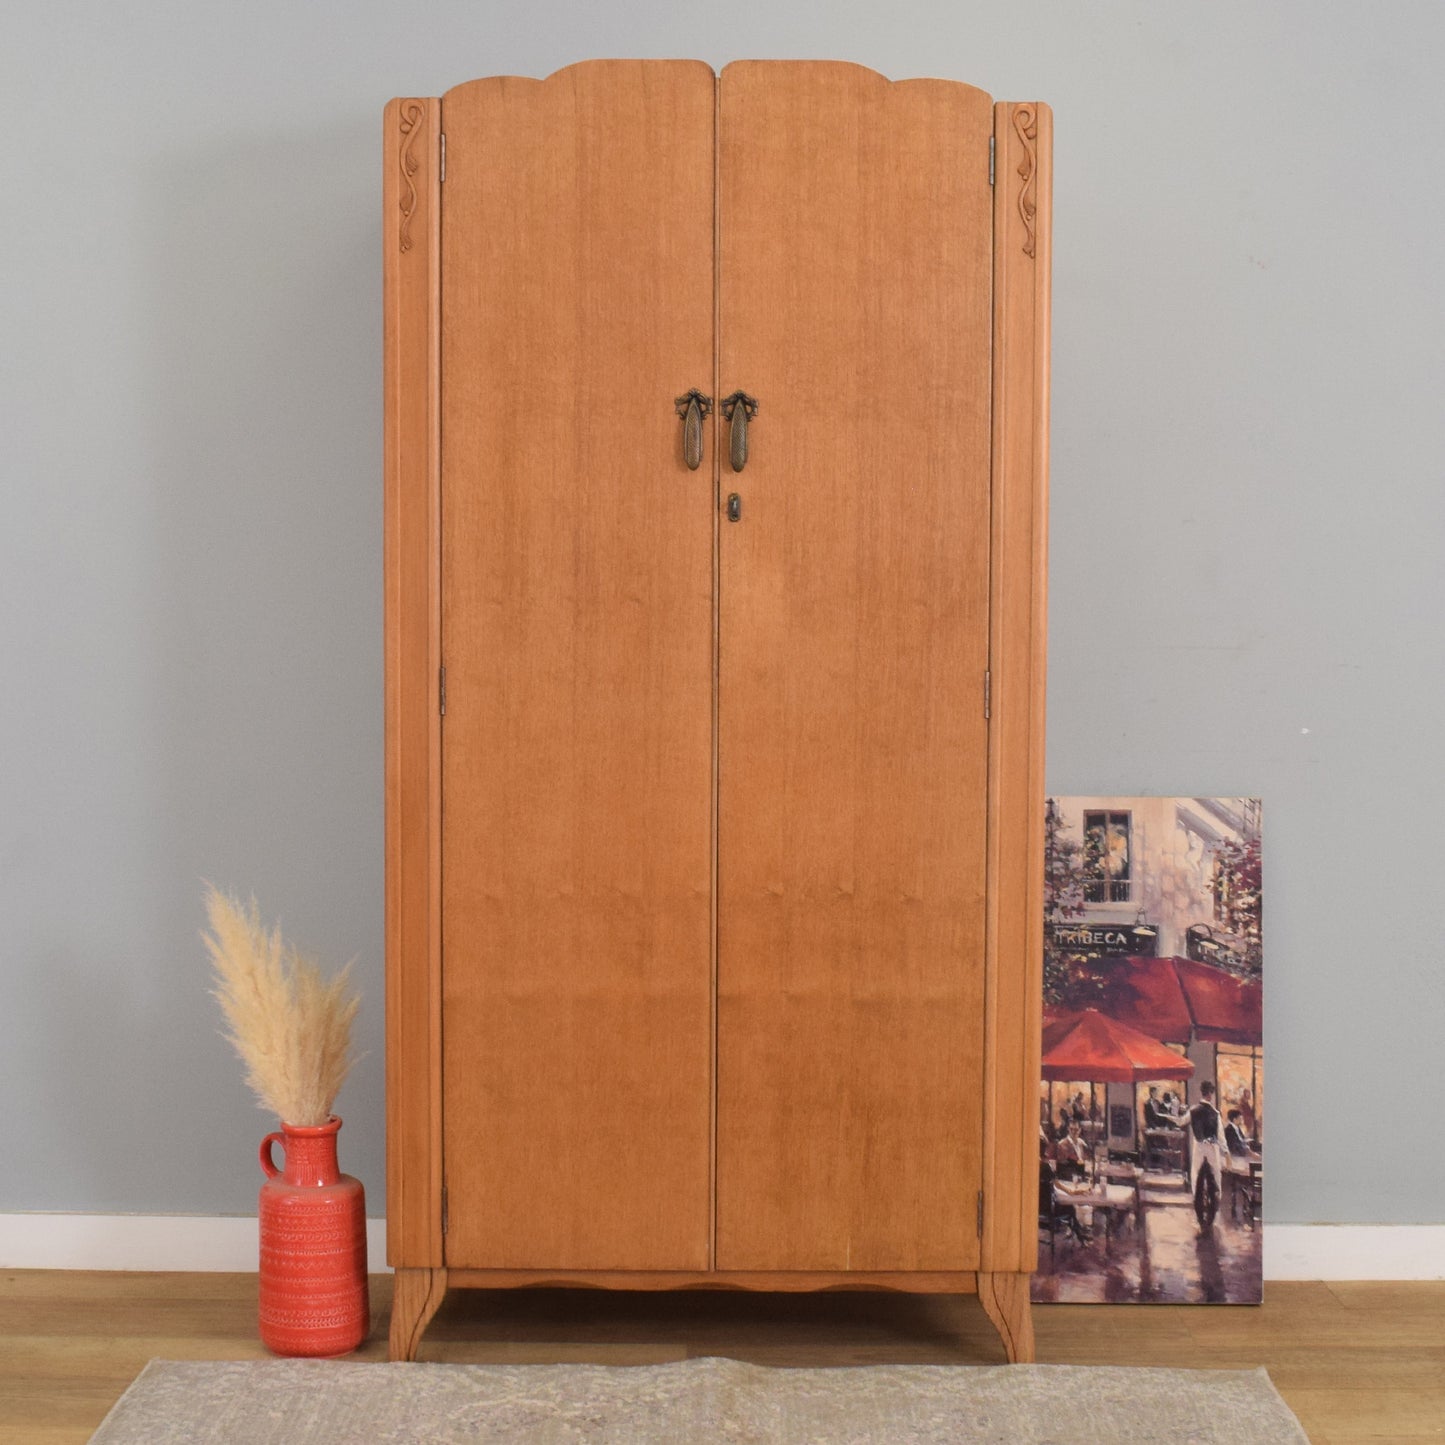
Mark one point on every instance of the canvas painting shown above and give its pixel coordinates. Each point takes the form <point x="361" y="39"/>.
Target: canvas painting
<point x="1151" y="1101"/>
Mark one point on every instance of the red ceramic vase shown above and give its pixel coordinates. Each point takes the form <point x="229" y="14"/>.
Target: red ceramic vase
<point x="313" y="1247"/>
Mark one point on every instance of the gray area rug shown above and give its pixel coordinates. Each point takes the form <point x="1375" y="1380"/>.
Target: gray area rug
<point x="303" y="1402"/>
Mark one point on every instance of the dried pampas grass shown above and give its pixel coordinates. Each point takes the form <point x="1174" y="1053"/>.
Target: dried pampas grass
<point x="291" y="1028"/>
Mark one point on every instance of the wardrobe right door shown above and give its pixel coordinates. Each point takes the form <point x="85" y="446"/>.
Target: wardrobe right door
<point x="855" y="224"/>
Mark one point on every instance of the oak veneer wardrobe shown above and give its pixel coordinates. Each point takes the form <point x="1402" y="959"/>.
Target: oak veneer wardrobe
<point x="714" y="796"/>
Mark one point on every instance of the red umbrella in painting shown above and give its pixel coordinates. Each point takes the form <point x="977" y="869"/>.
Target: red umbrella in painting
<point x="1090" y="1045"/>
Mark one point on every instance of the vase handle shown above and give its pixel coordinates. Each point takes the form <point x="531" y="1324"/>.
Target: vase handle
<point x="268" y="1162"/>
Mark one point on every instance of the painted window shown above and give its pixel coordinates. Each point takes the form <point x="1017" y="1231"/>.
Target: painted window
<point x="1106" y="857"/>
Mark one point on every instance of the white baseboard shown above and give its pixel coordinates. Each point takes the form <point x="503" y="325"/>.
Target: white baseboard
<point x="215" y="1242"/>
<point x="145" y="1242"/>
<point x="1354" y="1251"/>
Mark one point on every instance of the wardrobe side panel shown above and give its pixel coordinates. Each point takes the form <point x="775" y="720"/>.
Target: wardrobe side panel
<point x="577" y="637"/>
<point x="1023" y="249"/>
<point x="855" y="305"/>
<point x="411" y="448"/>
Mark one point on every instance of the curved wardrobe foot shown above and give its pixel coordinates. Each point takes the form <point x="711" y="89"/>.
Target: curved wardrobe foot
<point x="416" y="1293"/>
<point x="1005" y="1298"/>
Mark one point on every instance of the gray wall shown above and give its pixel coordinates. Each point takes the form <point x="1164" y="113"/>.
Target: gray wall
<point x="1247" y="534"/>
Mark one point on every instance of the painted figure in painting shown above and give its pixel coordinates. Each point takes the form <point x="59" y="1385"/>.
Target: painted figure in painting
<point x="1204" y="1156"/>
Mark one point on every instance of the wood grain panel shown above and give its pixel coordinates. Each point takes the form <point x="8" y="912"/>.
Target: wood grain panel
<point x="411" y="270"/>
<point x="577" y="638"/>
<point x="855" y="305"/>
<point x="1022" y="255"/>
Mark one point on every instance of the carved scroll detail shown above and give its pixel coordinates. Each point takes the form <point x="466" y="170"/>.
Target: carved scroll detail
<point x="1026" y="124"/>
<point x="412" y="114"/>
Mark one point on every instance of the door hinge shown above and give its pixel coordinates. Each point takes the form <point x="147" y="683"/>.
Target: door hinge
<point x="990" y="157"/>
<point x="444" y="158"/>
<point x="445" y="1221"/>
<point x="442" y="691"/>
<point x="987" y="695"/>
<point x="980" y="1214"/>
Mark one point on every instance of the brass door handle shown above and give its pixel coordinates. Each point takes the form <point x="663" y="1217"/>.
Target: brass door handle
<point x="692" y="408"/>
<point x="739" y="409"/>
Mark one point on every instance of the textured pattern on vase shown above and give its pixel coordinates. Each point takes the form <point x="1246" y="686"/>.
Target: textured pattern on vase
<point x="313" y="1289"/>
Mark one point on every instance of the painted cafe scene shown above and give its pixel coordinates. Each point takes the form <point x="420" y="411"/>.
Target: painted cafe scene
<point x="1151" y="1096"/>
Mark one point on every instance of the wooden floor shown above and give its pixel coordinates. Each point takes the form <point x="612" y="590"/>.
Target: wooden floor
<point x="1356" y="1361"/>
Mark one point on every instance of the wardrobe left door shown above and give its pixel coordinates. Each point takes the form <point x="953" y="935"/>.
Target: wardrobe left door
<point x="577" y="638"/>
